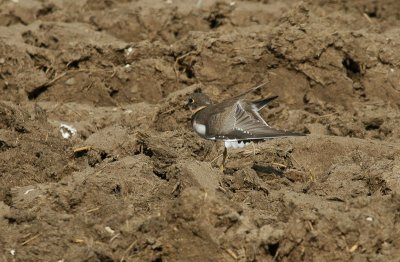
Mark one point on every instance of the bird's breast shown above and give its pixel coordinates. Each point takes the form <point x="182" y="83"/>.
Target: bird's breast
<point x="200" y="129"/>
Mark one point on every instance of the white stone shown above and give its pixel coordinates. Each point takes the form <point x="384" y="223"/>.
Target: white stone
<point x="67" y="131"/>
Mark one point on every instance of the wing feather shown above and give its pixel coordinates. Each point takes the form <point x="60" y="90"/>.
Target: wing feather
<point x="249" y="125"/>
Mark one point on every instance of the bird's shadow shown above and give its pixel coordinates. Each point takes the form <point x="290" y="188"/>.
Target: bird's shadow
<point x="266" y="169"/>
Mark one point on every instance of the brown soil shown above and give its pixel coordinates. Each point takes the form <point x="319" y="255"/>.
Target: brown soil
<point x="135" y="183"/>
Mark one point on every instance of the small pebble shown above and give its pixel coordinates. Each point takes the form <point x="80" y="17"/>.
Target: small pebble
<point x="109" y="230"/>
<point x="70" y="81"/>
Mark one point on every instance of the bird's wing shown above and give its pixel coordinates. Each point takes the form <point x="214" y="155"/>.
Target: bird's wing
<point x="247" y="124"/>
<point x="260" y="104"/>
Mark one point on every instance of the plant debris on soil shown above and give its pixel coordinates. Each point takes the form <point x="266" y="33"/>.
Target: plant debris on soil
<point x="99" y="162"/>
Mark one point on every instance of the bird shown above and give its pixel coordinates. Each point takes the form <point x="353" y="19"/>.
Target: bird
<point x="235" y="121"/>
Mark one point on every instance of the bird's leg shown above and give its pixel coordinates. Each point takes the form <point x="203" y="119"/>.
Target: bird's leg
<point x="224" y="155"/>
<point x="254" y="152"/>
<point x="218" y="154"/>
<point x="254" y="149"/>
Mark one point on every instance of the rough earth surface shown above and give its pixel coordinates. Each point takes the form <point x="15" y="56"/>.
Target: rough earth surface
<point x="135" y="183"/>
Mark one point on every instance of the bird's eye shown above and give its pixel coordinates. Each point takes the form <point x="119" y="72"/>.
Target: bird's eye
<point x="191" y="101"/>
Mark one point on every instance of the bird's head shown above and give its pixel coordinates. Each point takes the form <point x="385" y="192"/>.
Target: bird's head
<point x="198" y="101"/>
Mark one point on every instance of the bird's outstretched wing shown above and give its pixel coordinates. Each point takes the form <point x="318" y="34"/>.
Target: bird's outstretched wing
<point x="249" y="125"/>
